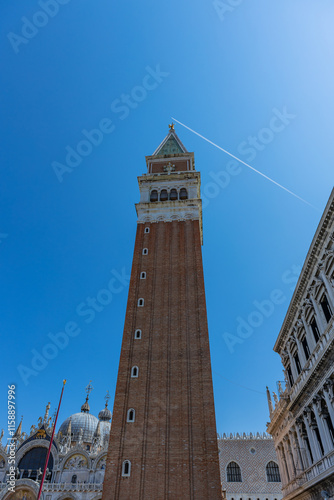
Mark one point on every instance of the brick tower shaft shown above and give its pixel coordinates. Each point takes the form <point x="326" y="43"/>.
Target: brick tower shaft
<point x="163" y="441"/>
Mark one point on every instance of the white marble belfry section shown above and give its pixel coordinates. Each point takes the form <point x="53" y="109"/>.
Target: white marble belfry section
<point x="170" y="210"/>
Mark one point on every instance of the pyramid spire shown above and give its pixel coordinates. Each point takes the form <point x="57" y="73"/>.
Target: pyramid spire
<point x="171" y="145"/>
<point x="18" y="431"/>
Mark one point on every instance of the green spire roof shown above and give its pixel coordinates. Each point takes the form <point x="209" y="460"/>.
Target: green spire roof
<point x="170" y="145"/>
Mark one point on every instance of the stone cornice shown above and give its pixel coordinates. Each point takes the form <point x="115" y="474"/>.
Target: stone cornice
<point x="173" y="176"/>
<point x="169" y="211"/>
<point x="309" y="267"/>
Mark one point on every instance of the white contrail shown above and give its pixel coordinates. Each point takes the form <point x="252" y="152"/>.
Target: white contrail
<point x="249" y="166"/>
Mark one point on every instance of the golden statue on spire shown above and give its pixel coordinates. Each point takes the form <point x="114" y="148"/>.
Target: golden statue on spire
<point x="171" y="126"/>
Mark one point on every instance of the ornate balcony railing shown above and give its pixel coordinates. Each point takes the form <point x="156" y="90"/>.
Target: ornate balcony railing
<point x="53" y="487"/>
<point x="320" y="467"/>
<point x="322" y="346"/>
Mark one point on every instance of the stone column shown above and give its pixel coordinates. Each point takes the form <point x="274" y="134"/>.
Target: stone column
<point x="292" y="363"/>
<point x="323" y="431"/>
<point x="300" y="349"/>
<point x="309" y="334"/>
<point x="299" y="465"/>
<point x="289" y="458"/>
<point x="294" y="447"/>
<point x="310" y="435"/>
<point x="319" y="315"/>
<point x="283" y="466"/>
<point x="328" y="286"/>
<point x="306" y="459"/>
<point x="328" y="395"/>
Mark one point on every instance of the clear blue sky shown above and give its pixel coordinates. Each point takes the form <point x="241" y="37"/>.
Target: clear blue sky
<point x="257" y="79"/>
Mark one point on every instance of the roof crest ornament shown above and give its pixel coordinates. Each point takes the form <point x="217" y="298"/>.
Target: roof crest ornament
<point x="85" y="407"/>
<point x="107" y="397"/>
<point x="169" y="168"/>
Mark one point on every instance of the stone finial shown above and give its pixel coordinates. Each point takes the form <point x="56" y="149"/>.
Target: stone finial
<point x="46" y="416"/>
<point x="275" y="398"/>
<point x="270" y="403"/>
<point x="280" y="389"/>
<point x="18" y="431"/>
<point x="69" y="428"/>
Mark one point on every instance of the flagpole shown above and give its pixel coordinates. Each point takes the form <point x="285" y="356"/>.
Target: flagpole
<point x="51" y="440"/>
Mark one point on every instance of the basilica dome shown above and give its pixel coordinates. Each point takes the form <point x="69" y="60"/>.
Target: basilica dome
<point x="84" y="427"/>
<point x="105" y="425"/>
<point x="84" y="421"/>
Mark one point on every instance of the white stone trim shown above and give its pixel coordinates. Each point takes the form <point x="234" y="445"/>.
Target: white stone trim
<point x="169" y="211"/>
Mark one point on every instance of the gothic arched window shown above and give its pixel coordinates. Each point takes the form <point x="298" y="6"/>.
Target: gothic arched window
<point x="183" y="194"/>
<point x="233" y="473"/>
<point x="154" y="195"/>
<point x="273" y="475"/>
<point x="74" y="479"/>
<point x="134" y="372"/>
<point x="126" y="468"/>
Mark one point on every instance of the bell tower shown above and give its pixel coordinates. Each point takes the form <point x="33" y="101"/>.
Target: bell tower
<point x="163" y="440"/>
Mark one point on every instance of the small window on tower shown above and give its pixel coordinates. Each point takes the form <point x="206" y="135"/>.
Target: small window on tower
<point x="134" y="372"/>
<point x="154" y="195"/>
<point x="163" y="195"/>
<point x="147" y="230"/>
<point x="143" y="276"/>
<point x="138" y="334"/>
<point x="183" y="194"/>
<point x="131" y="415"/>
<point x="173" y="195"/>
<point x="140" y="302"/>
<point x="145" y="251"/>
<point x="126" y="468"/>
